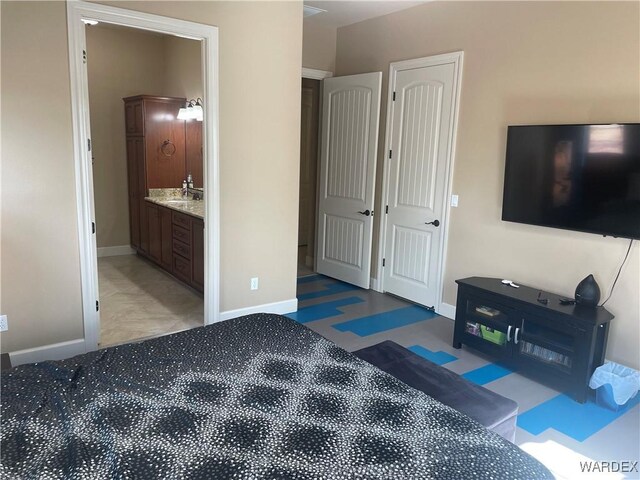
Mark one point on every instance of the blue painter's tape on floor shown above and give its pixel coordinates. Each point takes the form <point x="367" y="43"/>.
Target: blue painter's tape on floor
<point x="310" y="279"/>
<point x="576" y="420"/>
<point x="439" y="358"/>
<point x="381" y="322"/>
<point x="322" y="310"/>
<point x="487" y="374"/>
<point x="329" y="288"/>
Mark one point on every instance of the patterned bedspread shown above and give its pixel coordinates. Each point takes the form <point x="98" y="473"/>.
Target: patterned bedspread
<point x="256" y="397"/>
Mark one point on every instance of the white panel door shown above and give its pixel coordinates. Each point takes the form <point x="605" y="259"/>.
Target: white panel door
<point x="350" y="119"/>
<point x="417" y="176"/>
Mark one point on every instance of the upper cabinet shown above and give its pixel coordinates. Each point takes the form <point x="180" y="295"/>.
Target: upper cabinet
<point x="133" y="117"/>
<point x="155" y="118"/>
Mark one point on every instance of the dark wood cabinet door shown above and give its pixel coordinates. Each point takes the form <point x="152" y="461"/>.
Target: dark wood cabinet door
<point x="155" y="231"/>
<point x="134" y="197"/>
<point x="197" y="252"/>
<point x="164" y="144"/>
<point x="142" y="192"/>
<point x="134" y="124"/>
<point x="144" y="228"/>
<point x="166" y="257"/>
<point x="182" y="268"/>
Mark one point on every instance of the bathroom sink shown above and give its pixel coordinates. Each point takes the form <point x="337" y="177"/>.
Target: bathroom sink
<point x="177" y="202"/>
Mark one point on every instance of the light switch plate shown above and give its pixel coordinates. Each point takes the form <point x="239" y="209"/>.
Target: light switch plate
<point x="454" y="200"/>
<point x="254" y="283"/>
<point x="4" y="326"/>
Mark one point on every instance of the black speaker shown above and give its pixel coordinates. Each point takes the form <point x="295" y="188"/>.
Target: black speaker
<point x="588" y="292"/>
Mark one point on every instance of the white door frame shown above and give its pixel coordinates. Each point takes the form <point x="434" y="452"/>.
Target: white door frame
<point x="456" y="58"/>
<point x="314" y="74"/>
<point x="320" y="75"/>
<point x="208" y="35"/>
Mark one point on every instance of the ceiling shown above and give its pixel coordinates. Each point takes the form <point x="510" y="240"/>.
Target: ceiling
<point x="342" y="13"/>
<point x="338" y="13"/>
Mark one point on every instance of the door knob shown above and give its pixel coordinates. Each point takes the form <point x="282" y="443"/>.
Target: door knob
<point x="435" y="223"/>
<point x="366" y="213"/>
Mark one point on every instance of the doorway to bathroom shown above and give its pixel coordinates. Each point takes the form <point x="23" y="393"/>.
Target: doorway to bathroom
<point x="141" y="154"/>
<point x="143" y="90"/>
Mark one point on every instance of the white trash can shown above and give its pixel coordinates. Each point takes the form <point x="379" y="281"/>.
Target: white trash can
<point x="615" y="385"/>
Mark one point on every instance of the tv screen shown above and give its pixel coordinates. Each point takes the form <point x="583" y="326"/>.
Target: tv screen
<point x="575" y="177"/>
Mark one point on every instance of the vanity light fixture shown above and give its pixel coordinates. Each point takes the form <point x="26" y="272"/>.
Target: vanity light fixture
<point x="193" y="110"/>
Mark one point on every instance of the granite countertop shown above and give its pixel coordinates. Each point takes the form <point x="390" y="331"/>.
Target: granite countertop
<point x="170" y="198"/>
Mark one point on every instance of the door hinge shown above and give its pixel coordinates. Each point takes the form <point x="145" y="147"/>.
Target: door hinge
<point x="390" y="153"/>
<point x="394" y="96"/>
<point x="97" y="306"/>
<point x="386" y="209"/>
<point x="84" y="56"/>
<point x="93" y="227"/>
<point x="384" y="260"/>
<point x="89" y="144"/>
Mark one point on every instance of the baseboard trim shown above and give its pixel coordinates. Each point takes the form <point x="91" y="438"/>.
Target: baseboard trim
<point x="447" y="310"/>
<point x="286" y="306"/>
<point x="54" y="351"/>
<point x="374" y="284"/>
<point x="115" y="251"/>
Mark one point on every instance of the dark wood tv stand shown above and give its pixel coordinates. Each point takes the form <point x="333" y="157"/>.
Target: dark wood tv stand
<point x="558" y="344"/>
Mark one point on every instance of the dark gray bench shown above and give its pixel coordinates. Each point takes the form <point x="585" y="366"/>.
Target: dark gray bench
<point x="492" y="410"/>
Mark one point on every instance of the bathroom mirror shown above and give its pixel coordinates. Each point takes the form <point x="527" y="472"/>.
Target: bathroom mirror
<point x="193" y="152"/>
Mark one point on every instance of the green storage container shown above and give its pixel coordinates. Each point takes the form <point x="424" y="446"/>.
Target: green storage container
<point x="493" y="336"/>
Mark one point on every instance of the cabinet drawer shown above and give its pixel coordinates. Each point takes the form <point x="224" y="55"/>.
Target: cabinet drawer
<point x="182" y="268"/>
<point x="182" y="220"/>
<point x="182" y="234"/>
<point x="181" y="248"/>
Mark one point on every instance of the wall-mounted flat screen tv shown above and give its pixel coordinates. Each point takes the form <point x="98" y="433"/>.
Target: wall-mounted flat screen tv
<point x="575" y="177"/>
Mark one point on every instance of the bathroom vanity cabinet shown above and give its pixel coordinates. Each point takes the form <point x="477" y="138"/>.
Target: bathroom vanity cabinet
<point x="161" y="151"/>
<point x="176" y="243"/>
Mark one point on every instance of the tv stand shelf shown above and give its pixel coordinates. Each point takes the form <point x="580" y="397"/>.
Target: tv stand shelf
<point x="558" y="344"/>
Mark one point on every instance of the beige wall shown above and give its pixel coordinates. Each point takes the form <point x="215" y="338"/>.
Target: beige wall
<point x="182" y="64"/>
<point x="40" y="259"/>
<point x="259" y="156"/>
<point x="525" y="63"/>
<point x="121" y="62"/>
<point x="318" y="47"/>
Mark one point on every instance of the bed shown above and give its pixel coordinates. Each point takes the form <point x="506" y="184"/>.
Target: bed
<point x="260" y="396"/>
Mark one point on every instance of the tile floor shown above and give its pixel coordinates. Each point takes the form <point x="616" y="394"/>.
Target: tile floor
<point x="553" y="428"/>
<point x="139" y="300"/>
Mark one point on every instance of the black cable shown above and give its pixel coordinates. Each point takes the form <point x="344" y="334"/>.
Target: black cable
<point x="619" y="270"/>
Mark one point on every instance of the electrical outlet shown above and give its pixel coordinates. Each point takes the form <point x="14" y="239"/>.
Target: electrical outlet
<point x="454" y="200"/>
<point x="4" y="326"/>
<point x="254" y="283"/>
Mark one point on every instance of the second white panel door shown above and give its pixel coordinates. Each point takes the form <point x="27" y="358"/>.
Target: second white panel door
<point x="421" y="131"/>
<point x="350" y="119"/>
